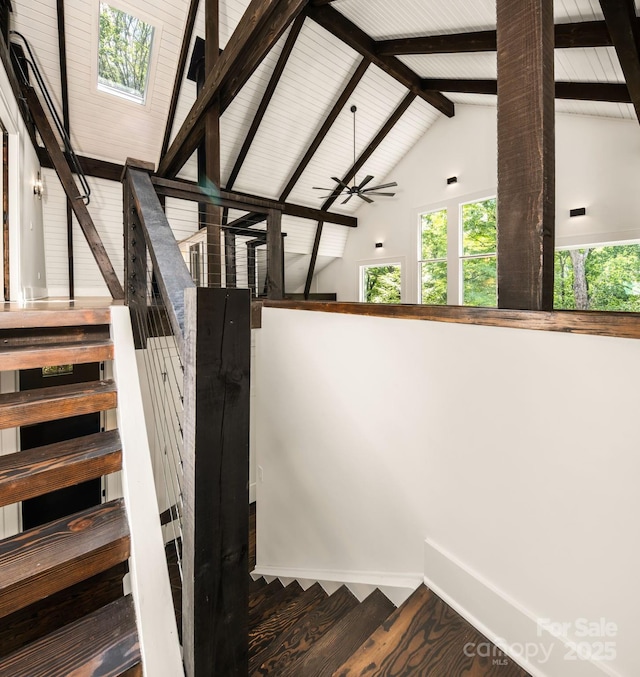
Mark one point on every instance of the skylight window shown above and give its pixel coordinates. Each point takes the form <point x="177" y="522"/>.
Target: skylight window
<point x="123" y="54"/>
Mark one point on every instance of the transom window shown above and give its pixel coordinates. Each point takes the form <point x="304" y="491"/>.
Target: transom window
<point x="124" y="51"/>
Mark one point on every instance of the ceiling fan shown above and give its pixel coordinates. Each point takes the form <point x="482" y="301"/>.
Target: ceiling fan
<point x="356" y="189"/>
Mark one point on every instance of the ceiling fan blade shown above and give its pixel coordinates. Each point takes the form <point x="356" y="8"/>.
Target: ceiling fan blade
<point x="366" y="180"/>
<point x="319" y="188"/>
<point x="384" y="185"/>
<point x="326" y="197"/>
<point x="364" y="197"/>
<point x="385" y="194"/>
<point x="340" y="182"/>
<point x="348" y="198"/>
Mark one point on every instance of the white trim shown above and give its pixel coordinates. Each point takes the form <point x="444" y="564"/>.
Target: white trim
<point x="252" y="492"/>
<point x="157" y="630"/>
<point x="397" y="587"/>
<point x="500" y="618"/>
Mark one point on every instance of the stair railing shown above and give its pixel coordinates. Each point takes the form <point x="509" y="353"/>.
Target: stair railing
<point x="196" y="342"/>
<point x="32" y="63"/>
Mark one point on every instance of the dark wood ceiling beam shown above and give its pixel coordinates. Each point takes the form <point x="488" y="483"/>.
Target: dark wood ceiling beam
<point x="243" y="53"/>
<point x="338" y="25"/>
<point x="579" y="91"/>
<point x="567" y="36"/>
<point x="356" y="167"/>
<point x="621" y="20"/>
<point x="266" y="98"/>
<point x="326" y="126"/>
<point x="247" y="221"/>
<point x="182" y="64"/>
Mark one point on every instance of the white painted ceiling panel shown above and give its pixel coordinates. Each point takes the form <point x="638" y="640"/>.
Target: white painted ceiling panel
<point x="468" y="66"/>
<point x="588" y="65"/>
<point x="315" y="74"/>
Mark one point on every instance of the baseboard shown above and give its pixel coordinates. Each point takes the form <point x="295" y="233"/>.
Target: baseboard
<point x="514" y="629"/>
<point x="397" y="587"/>
<point x="252" y="492"/>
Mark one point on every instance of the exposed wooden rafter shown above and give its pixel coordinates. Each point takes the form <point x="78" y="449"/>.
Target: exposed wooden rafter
<point x="620" y="16"/>
<point x="259" y="29"/>
<point x="581" y="34"/>
<point x="326" y="126"/>
<point x="337" y="24"/>
<point x="266" y="98"/>
<point x="356" y="167"/>
<point x="182" y="62"/>
<point x="579" y="91"/>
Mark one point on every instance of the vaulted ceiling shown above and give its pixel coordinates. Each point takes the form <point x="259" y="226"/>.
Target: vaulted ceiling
<point x="318" y="69"/>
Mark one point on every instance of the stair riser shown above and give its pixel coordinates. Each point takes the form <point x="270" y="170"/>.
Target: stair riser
<point x="38" y="357"/>
<point x="37" y="587"/>
<point x="41" y="411"/>
<point x="67" y="474"/>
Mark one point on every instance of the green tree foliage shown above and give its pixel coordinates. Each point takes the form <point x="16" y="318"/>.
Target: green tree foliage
<point x="434" y="247"/>
<point x="123" y="55"/>
<point x="611" y="277"/>
<point x="479" y="237"/>
<point x="382" y="284"/>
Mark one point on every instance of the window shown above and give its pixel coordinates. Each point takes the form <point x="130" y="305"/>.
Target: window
<point x="598" y="278"/>
<point x="123" y="53"/>
<point x="381" y="283"/>
<point x="433" y="257"/>
<point x="478" y="253"/>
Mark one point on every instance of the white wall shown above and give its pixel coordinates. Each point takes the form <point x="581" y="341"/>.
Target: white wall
<point x="513" y="452"/>
<point x="26" y="238"/>
<point x="597" y="167"/>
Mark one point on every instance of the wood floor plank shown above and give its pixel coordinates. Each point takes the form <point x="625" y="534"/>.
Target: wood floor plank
<point x="33" y="472"/>
<point x="14" y="358"/>
<point x="264" y="594"/>
<point x="44" y="560"/>
<point x="284" y="653"/>
<point x="270" y="607"/>
<point x="104" y="643"/>
<point x="346" y="636"/>
<point x="423" y="637"/>
<point x="264" y="633"/>
<point x="46" y="404"/>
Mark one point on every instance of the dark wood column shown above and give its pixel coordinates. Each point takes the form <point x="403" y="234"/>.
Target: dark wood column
<point x="526" y="154"/>
<point x="212" y="150"/>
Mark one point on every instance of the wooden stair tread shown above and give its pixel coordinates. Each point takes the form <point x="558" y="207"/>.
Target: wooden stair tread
<point x="279" y="600"/>
<point x="34" y="472"/>
<point x="46" y="404"/>
<point x="345" y="637"/>
<point x="103" y="643"/>
<point x="256" y="586"/>
<point x="16" y="357"/>
<point x="265" y="593"/>
<point x="263" y="634"/>
<point x="283" y="655"/>
<point x="46" y="559"/>
<point x="28" y="319"/>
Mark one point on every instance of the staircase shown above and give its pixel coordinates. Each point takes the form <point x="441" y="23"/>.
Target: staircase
<point x="61" y="596"/>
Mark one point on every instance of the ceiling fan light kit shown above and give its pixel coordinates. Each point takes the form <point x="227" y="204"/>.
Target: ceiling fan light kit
<point x="343" y="189"/>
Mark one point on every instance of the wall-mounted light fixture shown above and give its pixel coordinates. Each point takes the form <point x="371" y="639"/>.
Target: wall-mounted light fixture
<point x="452" y="179"/>
<point x="378" y="245"/>
<point x="38" y="187"/>
<point x="581" y="211"/>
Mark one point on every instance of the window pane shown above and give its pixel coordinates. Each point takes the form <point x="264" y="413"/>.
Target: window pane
<point x="434" y="235"/>
<point x="123" y="53"/>
<point x="598" y="278"/>
<point x="381" y="284"/>
<point x="479" y="282"/>
<point x="434" y="282"/>
<point x="479" y="227"/>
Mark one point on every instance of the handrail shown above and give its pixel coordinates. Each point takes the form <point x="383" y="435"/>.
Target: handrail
<point x="66" y="141"/>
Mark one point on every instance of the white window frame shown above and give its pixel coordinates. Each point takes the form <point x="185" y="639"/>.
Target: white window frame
<point x="376" y="263"/>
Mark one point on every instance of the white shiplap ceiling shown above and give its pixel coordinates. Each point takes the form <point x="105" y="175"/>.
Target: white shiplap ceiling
<point x="111" y="128"/>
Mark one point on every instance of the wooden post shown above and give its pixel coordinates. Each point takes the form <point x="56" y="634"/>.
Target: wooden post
<point x="526" y="154"/>
<point x="216" y="475"/>
<point x="230" y="253"/>
<point x="135" y="267"/>
<point x="275" y="278"/>
<point x="251" y="267"/>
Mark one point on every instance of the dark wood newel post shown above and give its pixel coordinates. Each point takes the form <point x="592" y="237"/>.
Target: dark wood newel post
<point x="275" y="253"/>
<point x="526" y="154"/>
<point x="215" y="592"/>
<point x="135" y="256"/>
